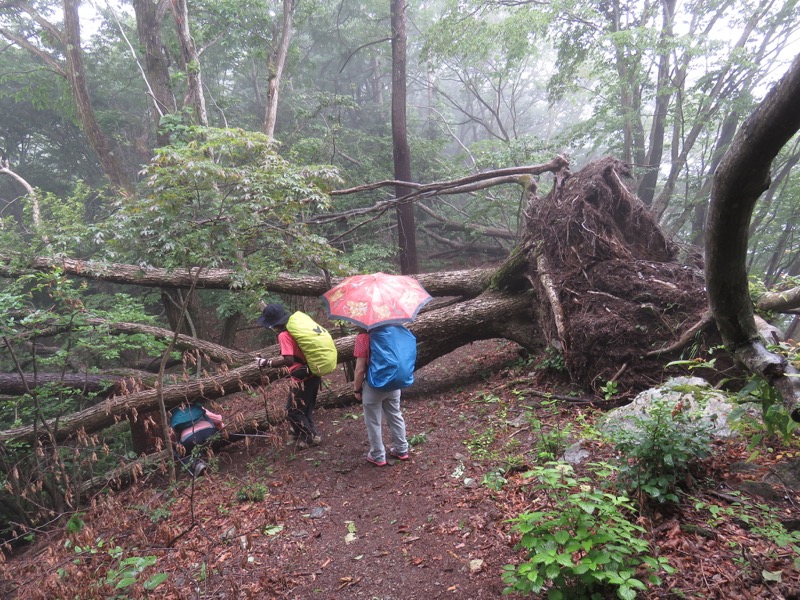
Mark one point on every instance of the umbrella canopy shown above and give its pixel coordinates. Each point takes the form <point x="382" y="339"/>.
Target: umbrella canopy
<point x="377" y="299"/>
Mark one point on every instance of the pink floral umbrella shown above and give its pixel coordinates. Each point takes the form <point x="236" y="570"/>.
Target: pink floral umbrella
<point x="378" y="299"/>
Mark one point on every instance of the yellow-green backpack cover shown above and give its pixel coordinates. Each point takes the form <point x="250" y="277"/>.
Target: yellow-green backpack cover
<point x="315" y="342"/>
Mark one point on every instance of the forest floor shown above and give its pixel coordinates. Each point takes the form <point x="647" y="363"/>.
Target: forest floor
<point x="272" y="521"/>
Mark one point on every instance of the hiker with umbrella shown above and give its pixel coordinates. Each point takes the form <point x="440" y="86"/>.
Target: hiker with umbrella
<point x="385" y="351"/>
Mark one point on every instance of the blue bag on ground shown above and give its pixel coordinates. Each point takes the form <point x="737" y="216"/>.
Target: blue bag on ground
<point x="392" y="357"/>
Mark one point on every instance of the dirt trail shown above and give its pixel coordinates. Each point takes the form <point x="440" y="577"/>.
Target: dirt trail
<point x="330" y="525"/>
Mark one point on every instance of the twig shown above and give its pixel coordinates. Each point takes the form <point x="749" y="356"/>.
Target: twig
<point x="518" y="431"/>
<point x="548" y="395"/>
<point x="727" y="497"/>
<point x="618" y="373"/>
<point x="706" y="320"/>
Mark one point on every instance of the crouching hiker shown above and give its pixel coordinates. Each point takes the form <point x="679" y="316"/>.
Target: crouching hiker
<point x="191" y="430"/>
<point x="308" y="351"/>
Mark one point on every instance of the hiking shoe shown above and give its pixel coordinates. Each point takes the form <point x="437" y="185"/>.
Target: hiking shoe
<point x="316" y="440"/>
<point x="377" y="463"/>
<point x="199" y="468"/>
<point x="394" y="453"/>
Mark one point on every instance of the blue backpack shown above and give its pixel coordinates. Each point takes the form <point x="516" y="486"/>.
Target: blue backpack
<point x="186" y="416"/>
<point x="392" y="357"/>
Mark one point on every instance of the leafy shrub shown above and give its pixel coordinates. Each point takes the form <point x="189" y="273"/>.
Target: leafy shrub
<point x="481" y="442"/>
<point x="662" y="448"/>
<point x="551" y="442"/>
<point x="417" y="439"/>
<point x="252" y="492"/>
<point x="609" y="389"/>
<point x="495" y="480"/>
<point x="581" y="544"/>
<point x="775" y="418"/>
<point x="553" y="360"/>
<point x="122" y="571"/>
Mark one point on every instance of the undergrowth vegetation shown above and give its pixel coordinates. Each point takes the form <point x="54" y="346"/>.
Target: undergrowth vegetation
<point x="582" y="543"/>
<point x="588" y="530"/>
<point x="39" y="483"/>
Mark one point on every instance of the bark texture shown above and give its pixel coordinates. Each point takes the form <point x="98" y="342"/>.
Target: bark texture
<point x="743" y="175"/>
<point x="191" y="62"/>
<point x="406" y="228"/>
<point x="76" y="71"/>
<point x="149" y="17"/>
<point x="281" y="37"/>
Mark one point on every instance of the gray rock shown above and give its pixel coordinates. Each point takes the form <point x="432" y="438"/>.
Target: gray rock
<point x="786" y="473"/>
<point x="712" y="407"/>
<point x="576" y="454"/>
<point x="317" y="512"/>
<point x="759" y="489"/>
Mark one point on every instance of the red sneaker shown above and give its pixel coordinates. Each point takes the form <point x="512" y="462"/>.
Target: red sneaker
<point x="397" y="455"/>
<point x="377" y="463"/>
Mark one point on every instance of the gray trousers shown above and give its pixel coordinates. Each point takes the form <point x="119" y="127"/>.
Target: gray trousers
<point x="378" y="403"/>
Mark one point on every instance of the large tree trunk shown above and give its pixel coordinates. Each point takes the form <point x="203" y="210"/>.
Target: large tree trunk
<point x="80" y="90"/>
<point x="183" y="307"/>
<point x="149" y="16"/>
<point x="14" y="384"/>
<point x="468" y="283"/>
<point x="406" y="227"/>
<point x="191" y="62"/>
<point x="743" y="175"/>
<point x="277" y="60"/>
<point x="67" y="44"/>
<point x="664" y="93"/>
<point x="629" y="93"/>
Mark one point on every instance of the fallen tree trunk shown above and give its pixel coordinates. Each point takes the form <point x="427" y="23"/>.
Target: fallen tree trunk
<point x="785" y="301"/>
<point x="491" y="315"/>
<point x="594" y="278"/>
<point x="212" y="351"/>
<point x="467" y="283"/>
<point x="15" y="384"/>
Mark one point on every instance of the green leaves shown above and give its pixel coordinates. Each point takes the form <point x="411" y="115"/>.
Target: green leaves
<point x="583" y="544"/>
<point x="351" y="532"/>
<point x="129" y="571"/>
<point x="224" y="198"/>
<point x="272" y="530"/>
<point x="662" y="449"/>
